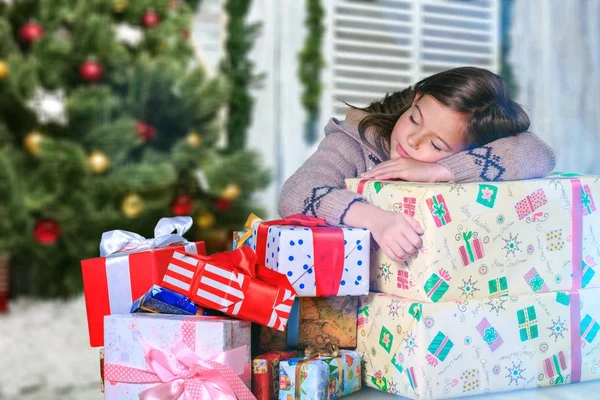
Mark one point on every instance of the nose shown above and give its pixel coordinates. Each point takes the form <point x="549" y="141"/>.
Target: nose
<point x="412" y="141"/>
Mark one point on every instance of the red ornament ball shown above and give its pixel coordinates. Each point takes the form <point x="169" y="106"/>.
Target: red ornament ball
<point x="223" y="204"/>
<point x="183" y="205"/>
<point x="145" y="131"/>
<point x="91" y="71"/>
<point x="30" y="32"/>
<point x="150" y="19"/>
<point x="46" y="231"/>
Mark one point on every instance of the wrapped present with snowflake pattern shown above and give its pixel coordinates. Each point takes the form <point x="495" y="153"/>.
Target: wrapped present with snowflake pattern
<point x="449" y="349"/>
<point x="520" y="235"/>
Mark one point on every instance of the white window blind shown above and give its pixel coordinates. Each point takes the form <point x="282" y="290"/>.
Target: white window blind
<point x="378" y="46"/>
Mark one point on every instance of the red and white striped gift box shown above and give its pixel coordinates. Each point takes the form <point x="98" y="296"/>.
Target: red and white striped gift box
<point x="232" y="292"/>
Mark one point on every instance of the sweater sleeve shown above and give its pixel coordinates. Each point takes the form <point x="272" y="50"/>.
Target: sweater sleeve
<point x="317" y="187"/>
<point x="524" y="156"/>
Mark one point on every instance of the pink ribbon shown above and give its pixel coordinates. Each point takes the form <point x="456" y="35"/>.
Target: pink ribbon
<point x="182" y="372"/>
<point x="574" y="304"/>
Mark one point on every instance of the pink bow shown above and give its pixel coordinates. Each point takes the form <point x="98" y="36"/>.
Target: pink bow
<point x="182" y="372"/>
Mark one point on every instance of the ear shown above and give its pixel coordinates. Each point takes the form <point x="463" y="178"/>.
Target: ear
<point x="416" y="99"/>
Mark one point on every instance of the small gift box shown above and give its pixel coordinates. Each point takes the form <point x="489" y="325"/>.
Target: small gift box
<point x="319" y="320"/>
<point x="232" y="282"/>
<point x="244" y="238"/>
<point x="128" y="266"/>
<point x="164" y="301"/>
<point x="319" y="260"/>
<point x="157" y="356"/>
<point x="265" y="374"/>
<point x="321" y="375"/>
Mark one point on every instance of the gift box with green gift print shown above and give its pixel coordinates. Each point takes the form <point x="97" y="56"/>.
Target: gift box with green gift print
<point x="527" y="320"/>
<point x="437" y="285"/>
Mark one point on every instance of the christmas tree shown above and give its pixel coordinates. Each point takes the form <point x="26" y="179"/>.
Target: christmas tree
<point x="107" y="122"/>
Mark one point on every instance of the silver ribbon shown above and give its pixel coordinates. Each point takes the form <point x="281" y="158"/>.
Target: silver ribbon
<point x="120" y="241"/>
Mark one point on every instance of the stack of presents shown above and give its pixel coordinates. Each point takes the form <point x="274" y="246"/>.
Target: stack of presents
<point x="502" y="296"/>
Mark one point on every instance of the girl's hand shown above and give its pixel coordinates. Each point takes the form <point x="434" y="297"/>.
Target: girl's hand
<point x="397" y="234"/>
<point x="410" y="170"/>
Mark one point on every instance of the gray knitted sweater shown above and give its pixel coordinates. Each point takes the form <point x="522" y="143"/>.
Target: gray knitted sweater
<point x="317" y="187"/>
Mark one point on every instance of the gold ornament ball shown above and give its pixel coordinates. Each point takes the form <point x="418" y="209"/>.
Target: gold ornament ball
<point x="205" y="220"/>
<point x="132" y="205"/>
<point x="99" y="162"/>
<point x="32" y="142"/>
<point x="119" y="6"/>
<point x="194" y="139"/>
<point x="231" y="192"/>
<point x="4" y="70"/>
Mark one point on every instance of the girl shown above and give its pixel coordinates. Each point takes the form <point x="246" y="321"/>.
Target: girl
<point x="454" y="126"/>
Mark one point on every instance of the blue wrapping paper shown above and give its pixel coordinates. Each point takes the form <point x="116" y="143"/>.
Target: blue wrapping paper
<point x="165" y="301"/>
<point x="322" y="378"/>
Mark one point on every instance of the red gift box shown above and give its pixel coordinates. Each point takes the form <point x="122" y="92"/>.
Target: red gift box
<point x="265" y="374"/>
<point x="129" y="266"/>
<point x="232" y="282"/>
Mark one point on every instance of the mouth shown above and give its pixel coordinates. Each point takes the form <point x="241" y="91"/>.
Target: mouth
<point x="401" y="152"/>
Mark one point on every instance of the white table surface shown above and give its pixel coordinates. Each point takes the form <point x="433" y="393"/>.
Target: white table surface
<point x="579" y="391"/>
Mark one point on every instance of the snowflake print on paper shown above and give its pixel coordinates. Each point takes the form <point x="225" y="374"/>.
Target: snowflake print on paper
<point x="411" y="344"/>
<point x="557" y="329"/>
<point x="394" y="307"/>
<point x="468" y="288"/>
<point x="497" y="303"/>
<point x="512" y="244"/>
<point x="385" y="272"/>
<point x="515" y="373"/>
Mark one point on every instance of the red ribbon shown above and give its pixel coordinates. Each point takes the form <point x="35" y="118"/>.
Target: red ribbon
<point x="328" y="245"/>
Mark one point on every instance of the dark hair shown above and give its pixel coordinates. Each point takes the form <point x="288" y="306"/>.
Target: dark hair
<point x="477" y="93"/>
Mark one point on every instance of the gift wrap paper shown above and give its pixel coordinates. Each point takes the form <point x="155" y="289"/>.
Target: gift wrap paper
<point x="205" y="336"/>
<point x="265" y="374"/>
<point x="320" y="378"/>
<point x="321" y="320"/>
<point x="484" y="239"/>
<point x="165" y="301"/>
<point x="291" y="251"/>
<point x="453" y="349"/>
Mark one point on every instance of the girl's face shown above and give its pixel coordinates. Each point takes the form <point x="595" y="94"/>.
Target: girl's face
<point x="428" y="131"/>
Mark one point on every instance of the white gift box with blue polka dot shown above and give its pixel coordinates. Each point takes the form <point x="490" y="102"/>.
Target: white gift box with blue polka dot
<point x="290" y="252"/>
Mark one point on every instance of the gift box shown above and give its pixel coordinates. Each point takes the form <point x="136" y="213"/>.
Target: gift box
<point x="265" y="374"/>
<point x="321" y="377"/>
<point x="318" y="260"/>
<point x="128" y="267"/>
<point x="164" y="301"/>
<point x="521" y="233"/>
<point x="320" y="320"/>
<point x="452" y="349"/>
<point x="168" y="356"/>
<point x="233" y="283"/>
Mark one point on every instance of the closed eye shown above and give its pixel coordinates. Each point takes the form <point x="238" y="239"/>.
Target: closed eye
<point x="412" y="120"/>
<point x="435" y="147"/>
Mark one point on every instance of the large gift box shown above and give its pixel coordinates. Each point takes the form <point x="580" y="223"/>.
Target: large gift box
<point x="483" y="239"/>
<point x="233" y="283"/>
<point x="453" y="349"/>
<point x="318" y="260"/>
<point x="128" y="267"/>
<point x="265" y="374"/>
<point x="163" y="356"/>
<point x="320" y="377"/>
<point x="319" y="320"/>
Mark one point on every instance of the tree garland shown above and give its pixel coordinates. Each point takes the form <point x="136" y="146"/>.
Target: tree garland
<point x="311" y="63"/>
<point x="239" y="70"/>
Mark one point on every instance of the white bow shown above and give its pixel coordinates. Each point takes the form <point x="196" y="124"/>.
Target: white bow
<point x="119" y="241"/>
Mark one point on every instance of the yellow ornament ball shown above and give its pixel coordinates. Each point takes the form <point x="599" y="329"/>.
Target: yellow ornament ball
<point x="119" y="6"/>
<point x="99" y="162"/>
<point x="231" y="192"/>
<point x="193" y="139"/>
<point x="32" y="142"/>
<point x="205" y="220"/>
<point x="4" y="70"/>
<point x="132" y="205"/>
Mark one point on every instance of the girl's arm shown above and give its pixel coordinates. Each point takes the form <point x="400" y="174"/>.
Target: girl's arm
<point x="317" y="187"/>
<point x="524" y="156"/>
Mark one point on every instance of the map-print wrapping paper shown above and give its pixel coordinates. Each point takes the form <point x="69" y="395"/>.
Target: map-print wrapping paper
<point x="483" y="239"/>
<point x="454" y="349"/>
<point x="319" y="261"/>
